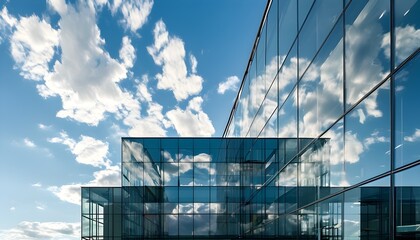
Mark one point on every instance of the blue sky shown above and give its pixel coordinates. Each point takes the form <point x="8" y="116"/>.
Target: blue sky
<point x="76" y="76"/>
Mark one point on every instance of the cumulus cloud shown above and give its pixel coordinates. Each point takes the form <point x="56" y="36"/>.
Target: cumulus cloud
<point x="109" y="177"/>
<point x="29" y="143"/>
<point x="59" y="6"/>
<point x="413" y="138"/>
<point x="127" y="53"/>
<point x="231" y="83"/>
<point x="86" y="77"/>
<point x="169" y="52"/>
<point x="88" y="150"/>
<point x="192" y="121"/>
<point x="7" y="22"/>
<point x="135" y="12"/>
<point x="67" y="193"/>
<point x="42" y="230"/>
<point x="32" y="46"/>
<point x="152" y="123"/>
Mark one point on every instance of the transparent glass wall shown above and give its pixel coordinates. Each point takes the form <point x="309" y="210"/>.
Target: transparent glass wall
<point x="198" y="187"/>
<point x="101" y="213"/>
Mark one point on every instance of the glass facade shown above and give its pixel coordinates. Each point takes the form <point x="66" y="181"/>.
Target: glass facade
<point x="322" y="141"/>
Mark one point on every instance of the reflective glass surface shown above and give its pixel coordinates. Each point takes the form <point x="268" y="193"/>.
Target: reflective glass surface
<point x="407" y="118"/>
<point x="367" y="31"/>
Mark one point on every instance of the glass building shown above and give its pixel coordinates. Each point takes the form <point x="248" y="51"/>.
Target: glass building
<point x="323" y="140"/>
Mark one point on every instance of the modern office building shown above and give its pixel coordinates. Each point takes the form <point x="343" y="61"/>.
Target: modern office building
<point x="323" y="140"/>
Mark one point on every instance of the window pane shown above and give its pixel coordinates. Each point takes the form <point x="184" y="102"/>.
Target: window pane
<point x="367" y="144"/>
<point x="321" y="20"/>
<point x="407" y="190"/>
<point x="407" y="29"/>
<point x="367" y="41"/>
<point x="407" y="118"/>
<point x="320" y="90"/>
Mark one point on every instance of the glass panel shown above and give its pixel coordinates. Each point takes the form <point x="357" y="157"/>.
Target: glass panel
<point x="186" y="174"/>
<point x="186" y="225"/>
<point x="201" y="225"/>
<point x="171" y="225"/>
<point x="320" y="22"/>
<point x="366" y="211"/>
<point x="367" y="25"/>
<point x="407" y="29"/>
<point x="367" y="144"/>
<point x="320" y="90"/>
<point x="304" y="7"/>
<point x="407" y="190"/>
<point x="334" y="165"/>
<point x="407" y="119"/>
<point x="170" y="174"/>
<point x="287" y="26"/>
<point x="271" y="57"/>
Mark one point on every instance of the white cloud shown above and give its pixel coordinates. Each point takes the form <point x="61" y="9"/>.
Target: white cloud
<point x="109" y="177"/>
<point x="58" y="5"/>
<point x="42" y="230"/>
<point x="406" y="42"/>
<point x="7" y="22"/>
<point x="193" y="62"/>
<point x="29" y="143"/>
<point x="32" y="46"/>
<point x="231" y="83"/>
<point x="374" y="138"/>
<point x="127" y="52"/>
<point x="67" y="193"/>
<point x="169" y="52"/>
<point x="88" y="150"/>
<point x="135" y="12"/>
<point x="153" y="123"/>
<point x="192" y="121"/>
<point x="6" y="19"/>
<point x="353" y="148"/>
<point x="43" y="126"/>
<point x="413" y="138"/>
<point x="362" y="116"/>
<point x="38" y="185"/>
<point x="86" y="77"/>
<point x="12" y="209"/>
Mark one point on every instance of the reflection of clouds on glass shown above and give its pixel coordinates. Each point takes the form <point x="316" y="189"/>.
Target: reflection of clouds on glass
<point x="375" y="138"/>
<point x="185" y="165"/>
<point x="407" y="40"/>
<point x="353" y="147"/>
<point x="413" y="138"/>
<point x="287" y="178"/>
<point x="352" y="228"/>
<point x="362" y="54"/>
<point x="141" y="167"/>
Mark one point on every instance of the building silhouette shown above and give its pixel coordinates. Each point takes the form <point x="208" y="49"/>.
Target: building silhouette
<point x="323" y="140"/>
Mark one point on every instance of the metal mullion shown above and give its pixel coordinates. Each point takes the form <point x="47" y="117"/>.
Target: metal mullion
<point x="392" y="196"/>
